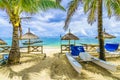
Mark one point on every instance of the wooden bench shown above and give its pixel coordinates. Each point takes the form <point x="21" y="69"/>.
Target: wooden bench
<point x="65" y="48"/>
<point x="4" y="49"/>
<point x="36" y="49"/>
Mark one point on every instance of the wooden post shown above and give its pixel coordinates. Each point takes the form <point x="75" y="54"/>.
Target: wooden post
<point x="61" y="48"/>
<point x="60" y="43"/>
<point x="74" y="42"/>
<point x="69" y="46"/>
<point x="29" y="46"/>
<point x="42" y="49"/>
<point x="69" y="42"/>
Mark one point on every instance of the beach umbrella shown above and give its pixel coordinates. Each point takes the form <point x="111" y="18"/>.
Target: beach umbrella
<point x="107" y="35"/>
<point x="2" y="42"/>
<point x="29" y="36"/>
<point x="69" y="36"/>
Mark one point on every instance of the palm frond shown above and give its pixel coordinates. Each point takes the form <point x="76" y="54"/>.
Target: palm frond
<point x="108" y="6"/>
<point x="2" y="6"/>
<point x="92" y="13"/>
<point x="73" y="5"/>
<point x="45" y="4"/>
<point x="87" y="4"/>
<point x="34" y="6"/>
<point x="29" y="6"/>
<point x="116" y="7"/>
<point x="58" y="1"/>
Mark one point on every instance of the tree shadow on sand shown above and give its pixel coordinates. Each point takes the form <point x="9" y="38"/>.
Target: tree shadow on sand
<point x="36" y="67"/>
<point x="59" y="68"/>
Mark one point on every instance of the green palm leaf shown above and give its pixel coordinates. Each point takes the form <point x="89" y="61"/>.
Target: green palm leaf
<point x="73" y="5"/>
<point x="14" y="8"/>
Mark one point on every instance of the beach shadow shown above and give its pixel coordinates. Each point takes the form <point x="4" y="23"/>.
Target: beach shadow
<point x="24" y="72"/>
<point x="58" y="66"/>
<point x="95" y="69"/>
<point x="61" y="69"/>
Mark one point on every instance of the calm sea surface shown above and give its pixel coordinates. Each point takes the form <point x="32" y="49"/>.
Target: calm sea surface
<point x="49" y="41"/>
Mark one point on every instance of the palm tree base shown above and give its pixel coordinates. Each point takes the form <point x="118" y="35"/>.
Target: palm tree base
<point x="14" y="57"/>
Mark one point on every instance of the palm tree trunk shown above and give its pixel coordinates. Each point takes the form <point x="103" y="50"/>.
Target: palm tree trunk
<point x="14" y="55"/>
<point x="100" y="31"/>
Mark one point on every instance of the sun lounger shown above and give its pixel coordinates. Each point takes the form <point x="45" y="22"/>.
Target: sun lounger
<point x="112" y="49"/>
<point x="75" y="50"/>
<point x="77" y="66"/>
<point x="87" y="57"/>
<point x="104" y="64"/>
<point x="5" y="56"/>
<point x="4" y="59"/>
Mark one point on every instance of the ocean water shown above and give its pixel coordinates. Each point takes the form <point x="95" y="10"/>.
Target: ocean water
<point x="50" y="41"/>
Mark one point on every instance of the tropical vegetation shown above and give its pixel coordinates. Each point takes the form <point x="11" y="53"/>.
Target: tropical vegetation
<point x="14" y="8"/>
<point x="94" y="8"/>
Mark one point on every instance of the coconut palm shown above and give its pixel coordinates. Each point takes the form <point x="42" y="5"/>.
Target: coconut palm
<point x="14" y="8"/>
<point x="95" y="9"/>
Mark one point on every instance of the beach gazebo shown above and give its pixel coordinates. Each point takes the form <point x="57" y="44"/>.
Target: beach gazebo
<point x="29" y="36"/>
<point x="2" y="42"/>
<point x="68" y="37"/>
<point x="4" y="48"/>
<point x="107" y="35"/>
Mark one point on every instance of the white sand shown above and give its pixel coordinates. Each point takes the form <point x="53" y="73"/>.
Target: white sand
<point x="43" y="75"/>
<point x="50" y="51"/>
<point x="32" y="67"/>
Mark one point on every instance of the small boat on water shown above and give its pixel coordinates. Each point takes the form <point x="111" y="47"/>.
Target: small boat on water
<point x="77" y="66"/>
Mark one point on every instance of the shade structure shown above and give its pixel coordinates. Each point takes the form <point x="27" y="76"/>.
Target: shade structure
<point x="2" y="42"/>
<point x="69" y="36"/>
<point x="107" y="35"/>
<point x="29" y="36"/>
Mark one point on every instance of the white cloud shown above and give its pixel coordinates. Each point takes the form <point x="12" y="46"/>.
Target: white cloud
<point x="45" y="24"/>
<point x="4" y="21"/>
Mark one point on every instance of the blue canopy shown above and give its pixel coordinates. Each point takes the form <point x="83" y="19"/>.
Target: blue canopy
<point x="111" y="47"/>
<point x="5" y="56"/>
<point x="75" y="50"/>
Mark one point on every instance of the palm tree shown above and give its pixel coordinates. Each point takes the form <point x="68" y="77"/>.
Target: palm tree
<point x="14" y="8"/>
<point x="95" y="9"/>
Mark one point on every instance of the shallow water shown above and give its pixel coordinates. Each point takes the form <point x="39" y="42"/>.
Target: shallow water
<point x="55" y="41"/>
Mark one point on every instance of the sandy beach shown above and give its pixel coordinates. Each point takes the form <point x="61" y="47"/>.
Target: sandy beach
<point x="36" y="67"/>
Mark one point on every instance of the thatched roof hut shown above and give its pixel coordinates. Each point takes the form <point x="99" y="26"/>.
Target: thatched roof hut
<point x="29" y="35"/>
<point x="2" y="42"/>
<point x="107" y="35"/>
<point x="69" y="36"/>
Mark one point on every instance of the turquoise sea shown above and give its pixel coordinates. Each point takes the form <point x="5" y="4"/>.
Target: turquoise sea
<point x="55" y="41"/>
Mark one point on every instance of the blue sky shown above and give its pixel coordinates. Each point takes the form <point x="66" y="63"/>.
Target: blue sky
<point x="51" y="22"/>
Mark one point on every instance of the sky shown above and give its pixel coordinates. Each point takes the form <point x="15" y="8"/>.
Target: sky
<point x="50" y="23"/>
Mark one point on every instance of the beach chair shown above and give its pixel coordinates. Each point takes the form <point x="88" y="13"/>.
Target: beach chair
<point x="4" y="59"/>
<point x="112" y="49"/>
<point x="79" y="51"/>
<point x="75" y="50"/>
<point x="85" y="56"/>
<point x="75" y="64"/>
<point x="5" y="56"/>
